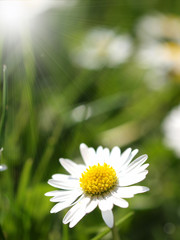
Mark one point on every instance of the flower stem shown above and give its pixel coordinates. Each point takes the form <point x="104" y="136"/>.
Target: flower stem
<point x="115" y="235"/>
<point x="107" y="230"/>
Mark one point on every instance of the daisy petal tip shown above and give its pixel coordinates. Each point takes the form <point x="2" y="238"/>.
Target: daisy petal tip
<point x="147" y="165"/>
<point x="71" y="225"/>
<point x="49" y="181"/>
<point x="146" y="189"/>
<point x="108" y="218"/>
<point x="61" y="160"/>
<point x="116" y="148"/>
<point x="129" y="150"/>
<point x="84" y="150"/>
<point x="83" y="146"/>
<point x="52" y="211"/>
<point x="127" y="205"/>
<point x="136" y="150"/>
<point x="110" y="225"/>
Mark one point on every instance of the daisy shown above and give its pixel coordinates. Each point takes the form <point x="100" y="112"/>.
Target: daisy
<point x="159" y="49"/>
<point x="162" y="60"/>
<point x="102" y="181"/>
<point x="158" y="27"/>
<point x="171" y="128"/>
<point x="102" y="47"/>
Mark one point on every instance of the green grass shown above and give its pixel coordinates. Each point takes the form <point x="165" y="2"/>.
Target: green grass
<point x="39" y="94"/>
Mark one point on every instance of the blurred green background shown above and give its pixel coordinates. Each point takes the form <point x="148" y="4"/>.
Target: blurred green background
<point x="54" y="104"/>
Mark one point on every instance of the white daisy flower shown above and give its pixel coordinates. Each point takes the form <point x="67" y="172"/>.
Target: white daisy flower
<point x="171" y="127"/>
<point x="103" y="180"/>
<point x="161" y="58"/>
<point x="159" y="48"/>
<point x="158" y="27"/>
<point x="102" y="47"/>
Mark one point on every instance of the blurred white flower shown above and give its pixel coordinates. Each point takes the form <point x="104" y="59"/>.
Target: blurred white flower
<point x="163" y="57"/>
<point x="158" y="27"/>
<point x="171" y="128"/>
<point x="103" y="180"/>
<point x="102" y="48"/>
<point x="159" y="47"/>
<point x="81" y="113"/>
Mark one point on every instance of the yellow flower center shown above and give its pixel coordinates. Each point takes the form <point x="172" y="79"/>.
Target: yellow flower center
<point x="172" y="51"/>
<point x="98" y="179"/>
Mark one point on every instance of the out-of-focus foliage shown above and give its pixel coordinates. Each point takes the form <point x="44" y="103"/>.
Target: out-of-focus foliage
<point x="54" y="104"/>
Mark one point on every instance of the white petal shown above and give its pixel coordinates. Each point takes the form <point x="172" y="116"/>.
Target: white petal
<point x="67" y="218"/>
<point x="106" y="154"/>
<point x="61" y="177"/>
<point x="124" y="157"/>
<point x="124" y="195"/>
<point x="121" y="193"/>
<point x="138" y="189"/>
<point x="132" y="179"/>
<point x="73" y="168"/>
<point x="88" y="154"/>
<point x="128" y="192"/>
<point x="67" y="184"/>
<point x="115" y="152"/>
<point x="129" y="159"/>
<point x="77" y="217"/>
<point x="92" y="205"/>
<point x="143" y="167"/>
<point x="102" y="155"/>
<point x="120" y="202"/>
<point x="108" y="218"/>
<point x="114" y="159"/>
<point x="71" y="214"/>
<point x="67" y="196"/>
<point x="60" y="206"/>
<point x="136" y="173"/>
<point x="52" y="193"/>
<point x="99" y="155"/>
<point x="136" y="170"/>
<point x="105" y="203"/>
<point x="137" y="162"/>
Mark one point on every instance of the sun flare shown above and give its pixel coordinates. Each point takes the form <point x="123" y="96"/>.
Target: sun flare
<point x="16" y="15"/>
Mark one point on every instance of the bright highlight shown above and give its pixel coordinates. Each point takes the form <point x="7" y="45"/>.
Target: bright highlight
<point x="15" y="15"/>
<point x="98" y="179"/>
<point x="12" y="13"/>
